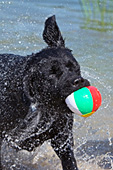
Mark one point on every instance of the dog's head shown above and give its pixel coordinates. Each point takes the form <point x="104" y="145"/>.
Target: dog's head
<point x="55" y="72"/>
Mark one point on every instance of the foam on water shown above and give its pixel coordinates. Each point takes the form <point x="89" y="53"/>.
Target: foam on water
<point x="96" y="130"/>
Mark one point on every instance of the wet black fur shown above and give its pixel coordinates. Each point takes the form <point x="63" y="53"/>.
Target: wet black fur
<point x="32" y="96"/>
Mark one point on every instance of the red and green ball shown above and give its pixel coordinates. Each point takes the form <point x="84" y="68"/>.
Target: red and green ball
<point x="84" y="101"/>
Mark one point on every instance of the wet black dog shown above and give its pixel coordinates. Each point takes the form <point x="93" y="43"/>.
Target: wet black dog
<point x="32" y="96"/>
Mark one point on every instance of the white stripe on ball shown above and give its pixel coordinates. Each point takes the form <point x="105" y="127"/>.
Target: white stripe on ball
<point x="70" y="101"/>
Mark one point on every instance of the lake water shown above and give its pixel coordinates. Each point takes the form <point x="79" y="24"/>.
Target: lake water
<point x="87" y="26"/>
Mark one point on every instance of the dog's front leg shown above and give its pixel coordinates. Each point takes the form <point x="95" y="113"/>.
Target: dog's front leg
<point x="64" y="152"/>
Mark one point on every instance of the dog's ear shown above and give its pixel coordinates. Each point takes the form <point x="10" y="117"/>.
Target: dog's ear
<point x="29" y="86"/>
<point x="52" y="34"/>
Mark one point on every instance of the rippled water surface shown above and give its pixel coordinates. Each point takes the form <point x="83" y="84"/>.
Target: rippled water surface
<point x="87" y="27"/>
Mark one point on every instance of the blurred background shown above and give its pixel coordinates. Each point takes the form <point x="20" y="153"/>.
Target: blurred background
<point x="87" y="26"/>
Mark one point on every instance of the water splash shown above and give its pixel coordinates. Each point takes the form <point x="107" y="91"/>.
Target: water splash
<point x="94" y="134"/>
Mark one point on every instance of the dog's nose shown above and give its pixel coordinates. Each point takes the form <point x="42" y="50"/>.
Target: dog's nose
<point x="78" y="81"/>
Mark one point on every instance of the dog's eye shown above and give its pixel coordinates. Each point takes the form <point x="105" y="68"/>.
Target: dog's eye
<point x="70" y="66"/>
<point x="53" y="70"/>
<point x="56" y="71"/>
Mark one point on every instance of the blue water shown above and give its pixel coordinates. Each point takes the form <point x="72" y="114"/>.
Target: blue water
<point x="88" y="31"/>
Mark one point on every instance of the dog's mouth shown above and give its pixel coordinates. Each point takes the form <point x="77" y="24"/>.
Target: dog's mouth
<point x="74" y="85"/>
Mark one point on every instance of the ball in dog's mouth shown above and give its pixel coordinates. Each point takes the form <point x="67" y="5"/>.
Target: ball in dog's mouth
<point x="84" y="101"/>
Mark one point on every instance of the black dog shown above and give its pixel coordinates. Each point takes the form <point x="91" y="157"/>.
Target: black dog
<point x="33" y="90"/>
